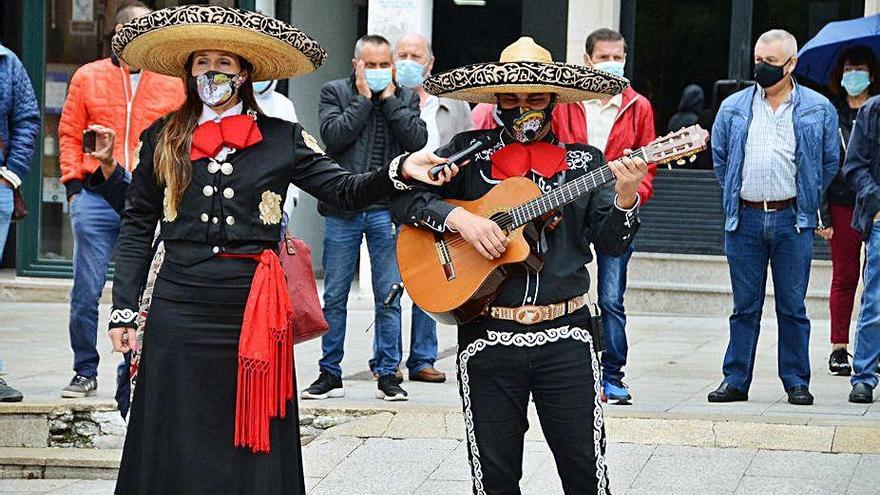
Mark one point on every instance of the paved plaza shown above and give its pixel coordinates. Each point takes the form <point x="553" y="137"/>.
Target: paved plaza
<point x="670" y="441"/>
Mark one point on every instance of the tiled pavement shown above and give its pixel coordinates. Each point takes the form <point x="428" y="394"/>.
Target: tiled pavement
<point x="674" y="362"/>
<point x="381" y="466"/>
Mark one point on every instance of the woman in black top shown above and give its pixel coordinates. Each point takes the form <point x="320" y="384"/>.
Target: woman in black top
<point x="214" y="410"/>
<point x="856" y="77"/>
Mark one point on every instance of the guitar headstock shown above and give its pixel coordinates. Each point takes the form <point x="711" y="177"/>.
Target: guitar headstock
<point x="676" y="146"/>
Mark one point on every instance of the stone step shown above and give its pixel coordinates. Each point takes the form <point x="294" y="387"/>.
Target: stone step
<point x="699" y="269"/>
<point x="659" y="298"/>
<point x="57" y="463"/>
<point x="676" y="284"/>
<point x="55" y="290"/>
<point x="85" y="424"/>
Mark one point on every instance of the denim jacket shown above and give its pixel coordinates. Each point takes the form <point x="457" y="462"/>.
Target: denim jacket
<point x="817" y="151"/>
<point x="862" y="166"/>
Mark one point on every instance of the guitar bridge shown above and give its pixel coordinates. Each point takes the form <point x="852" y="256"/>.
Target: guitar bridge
<point x="445" y="258"/>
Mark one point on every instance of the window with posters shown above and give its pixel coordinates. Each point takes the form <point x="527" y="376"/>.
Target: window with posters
<point x="54" y="38"/>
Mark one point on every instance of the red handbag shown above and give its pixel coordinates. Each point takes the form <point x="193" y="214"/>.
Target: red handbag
<point x="308" y="316"/>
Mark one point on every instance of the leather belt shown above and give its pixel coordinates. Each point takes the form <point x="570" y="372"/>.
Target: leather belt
<point x="770" y="205"/>
<point x="530" y="314"/>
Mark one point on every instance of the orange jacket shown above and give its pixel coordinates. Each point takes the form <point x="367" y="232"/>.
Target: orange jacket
<point x="100" y="93"/>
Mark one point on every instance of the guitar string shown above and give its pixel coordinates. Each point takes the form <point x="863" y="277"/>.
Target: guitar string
<point x="548" y="202"/>
<point x="533" y="207"/>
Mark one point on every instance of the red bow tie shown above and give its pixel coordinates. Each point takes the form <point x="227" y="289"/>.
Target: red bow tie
<point x="517" y="159"/>
<point x="237" y="131"/>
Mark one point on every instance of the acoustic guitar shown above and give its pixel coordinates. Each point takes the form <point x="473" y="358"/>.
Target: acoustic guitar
<point x="446" y="276"/>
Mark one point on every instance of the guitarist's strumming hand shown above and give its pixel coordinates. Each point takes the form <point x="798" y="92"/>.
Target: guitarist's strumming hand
<point x="484" y="234"/>
<point x="629" y="173"/>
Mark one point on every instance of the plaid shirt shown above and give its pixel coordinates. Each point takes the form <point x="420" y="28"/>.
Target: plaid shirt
<point x="769" y="168"/>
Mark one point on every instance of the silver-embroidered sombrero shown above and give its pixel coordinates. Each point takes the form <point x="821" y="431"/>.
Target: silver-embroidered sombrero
<point x="524" y="67"/>
<point x="163" y="40"/>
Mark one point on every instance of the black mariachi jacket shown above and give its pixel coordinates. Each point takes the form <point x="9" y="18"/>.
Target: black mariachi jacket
<point x="590" y="219"/>
<point x="233" y="206"/>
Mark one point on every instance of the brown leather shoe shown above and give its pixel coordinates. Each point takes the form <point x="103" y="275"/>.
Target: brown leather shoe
<point x="430" y="374"/>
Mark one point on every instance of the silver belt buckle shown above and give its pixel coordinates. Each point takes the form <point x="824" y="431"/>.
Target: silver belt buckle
<point x="528" y="315"/>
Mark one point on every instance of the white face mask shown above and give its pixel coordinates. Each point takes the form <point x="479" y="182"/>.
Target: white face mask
<point x="611" y="66"/>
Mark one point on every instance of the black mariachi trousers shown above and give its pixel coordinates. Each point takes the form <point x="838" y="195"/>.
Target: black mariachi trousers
<point x="497" y="372"/>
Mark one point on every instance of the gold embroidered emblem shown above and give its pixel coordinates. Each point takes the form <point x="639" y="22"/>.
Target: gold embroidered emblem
<point x="270" y="208"/>
<point x="311" y="142"/>
<point x="169" y="214"/>
<point x="136" y="159"/>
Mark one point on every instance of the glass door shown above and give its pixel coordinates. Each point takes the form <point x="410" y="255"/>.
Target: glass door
<point x="59" y="37"/>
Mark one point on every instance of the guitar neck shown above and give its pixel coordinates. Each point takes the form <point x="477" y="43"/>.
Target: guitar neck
<point x="561" y="196"/>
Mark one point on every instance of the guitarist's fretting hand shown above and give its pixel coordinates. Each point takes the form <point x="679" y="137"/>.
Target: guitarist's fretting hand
<point x="484" y="234"/>
<point x="629" y="173"/>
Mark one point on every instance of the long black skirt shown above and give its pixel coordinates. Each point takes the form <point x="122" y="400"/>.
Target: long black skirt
<point x="181" y="425"/>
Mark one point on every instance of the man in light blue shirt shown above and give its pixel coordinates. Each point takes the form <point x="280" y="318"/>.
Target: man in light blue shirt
<point x="775" y="150"/>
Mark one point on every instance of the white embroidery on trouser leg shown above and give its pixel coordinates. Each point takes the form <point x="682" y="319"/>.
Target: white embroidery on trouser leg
<point x="476" y="469"/>
<point x="531" y="339"/>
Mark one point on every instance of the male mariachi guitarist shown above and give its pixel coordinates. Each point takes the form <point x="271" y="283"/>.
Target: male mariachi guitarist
<point x="511" y="352"/>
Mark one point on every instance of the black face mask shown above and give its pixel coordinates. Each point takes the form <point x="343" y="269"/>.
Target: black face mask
<point x="767" y="75"/>
<point x="526" y="125"/>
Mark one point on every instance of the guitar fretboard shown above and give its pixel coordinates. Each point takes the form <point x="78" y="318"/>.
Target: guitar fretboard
<point x="564" y="195"/>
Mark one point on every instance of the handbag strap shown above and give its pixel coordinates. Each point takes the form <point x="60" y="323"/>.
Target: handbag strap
<point x="289" y="244"/>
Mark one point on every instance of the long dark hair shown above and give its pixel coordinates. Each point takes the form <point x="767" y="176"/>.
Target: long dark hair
<point x="855" y="55"/>
<point x="173" y="169"/>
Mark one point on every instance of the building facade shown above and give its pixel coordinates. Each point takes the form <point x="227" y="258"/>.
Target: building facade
<point x="672" y="43"/>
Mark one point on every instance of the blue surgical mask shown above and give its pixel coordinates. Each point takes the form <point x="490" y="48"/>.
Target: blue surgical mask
<point x="378" y="79"/>
<point x="261" y="86"/>
<point x="855" y="81"/>
<point x="611" y="67"/>
<point x="410" y="73"/>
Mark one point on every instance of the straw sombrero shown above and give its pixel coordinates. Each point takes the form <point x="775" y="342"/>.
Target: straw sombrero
<point x="163" y="40"/>
<point x="524" y="67"/>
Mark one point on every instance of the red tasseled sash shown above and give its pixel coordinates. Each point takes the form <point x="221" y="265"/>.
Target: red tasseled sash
<point x="265" y="354"/>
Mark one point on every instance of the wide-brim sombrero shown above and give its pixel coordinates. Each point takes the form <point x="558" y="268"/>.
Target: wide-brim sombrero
<point x="163" y="40"/>
<point x="524" y="67"/>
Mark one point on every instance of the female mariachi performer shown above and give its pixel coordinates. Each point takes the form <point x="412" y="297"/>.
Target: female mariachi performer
<point x="214" y="409"/>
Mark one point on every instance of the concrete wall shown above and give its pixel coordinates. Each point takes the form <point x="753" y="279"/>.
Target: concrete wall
<point x="338" y="38"/>
<point x="584" y="17"/>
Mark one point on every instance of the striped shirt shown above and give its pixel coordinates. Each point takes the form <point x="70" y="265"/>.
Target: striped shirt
<point x="769" y="167"/>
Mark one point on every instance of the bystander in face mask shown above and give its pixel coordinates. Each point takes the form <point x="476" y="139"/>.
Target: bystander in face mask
<point x="410" y="73"/>
<point x="611" y="67"/>
<point x="855" y="82"/>
<point x="378" y="79"/>
<point x="262" y="86"/>
<point x="767" y="74"/>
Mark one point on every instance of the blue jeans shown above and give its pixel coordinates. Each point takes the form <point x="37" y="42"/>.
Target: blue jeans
<point x="6" y="206"/>
<point x="95" y="231"/>
<point x="422" y="343"/>
<point x="611" y="286"/>
<point x="342" y="240"/>
<point x="763" y="237"/>
<point x="867" y="347"/>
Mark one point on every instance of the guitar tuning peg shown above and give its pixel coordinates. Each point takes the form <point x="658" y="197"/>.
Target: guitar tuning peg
<point x="680" y="161"/>
<point x="693" y="158"/>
